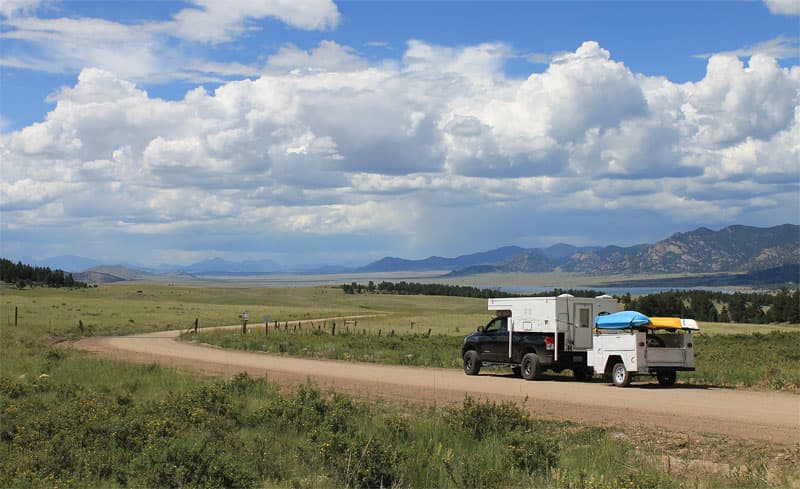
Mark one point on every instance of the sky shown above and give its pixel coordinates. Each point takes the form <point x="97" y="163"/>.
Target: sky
<point x="322" y="132"/>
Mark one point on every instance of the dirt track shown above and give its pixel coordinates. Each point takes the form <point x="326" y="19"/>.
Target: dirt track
<point x="765" y="416"/>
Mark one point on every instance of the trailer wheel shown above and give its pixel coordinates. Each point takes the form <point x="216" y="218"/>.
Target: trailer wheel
<point x="666" y="378"/>
<point x="620" y="375"/>
<point x="531" y="370"/>
<point x="517" y="371"/>
<point x="472" y="364"/>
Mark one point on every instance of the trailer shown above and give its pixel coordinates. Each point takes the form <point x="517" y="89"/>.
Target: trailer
<point x="629" y="344"/>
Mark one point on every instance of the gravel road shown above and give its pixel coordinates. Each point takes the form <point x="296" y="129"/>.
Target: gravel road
<point x="764" y="416"/>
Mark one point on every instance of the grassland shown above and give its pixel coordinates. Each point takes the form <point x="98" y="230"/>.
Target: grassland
<point x="73" y="420"/>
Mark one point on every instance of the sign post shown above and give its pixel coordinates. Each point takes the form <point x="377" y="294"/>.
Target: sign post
<point x="245" y="317"/>
<point x="266" y="325"/>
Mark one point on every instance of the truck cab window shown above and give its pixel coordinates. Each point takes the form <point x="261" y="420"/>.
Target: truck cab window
<point x="497" y="325"/>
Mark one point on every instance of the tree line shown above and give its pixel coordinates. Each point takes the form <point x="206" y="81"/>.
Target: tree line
<point x="414" y="288"/>
<point x="754" y="307"/>
<point x="27" y="275"/>
<point x="702" y="305"/>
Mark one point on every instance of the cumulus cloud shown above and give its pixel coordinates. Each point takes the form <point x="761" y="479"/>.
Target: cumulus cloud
<point x="783" y="7"/>
<point x="327" y="143"/>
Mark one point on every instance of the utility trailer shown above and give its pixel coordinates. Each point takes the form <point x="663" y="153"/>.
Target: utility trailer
<point x="629" y="344"/>
<point x="532" y="334"/>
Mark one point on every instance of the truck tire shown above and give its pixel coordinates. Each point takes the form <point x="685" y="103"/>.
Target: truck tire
<point x="667" y="378"/>
<point x="531" y="370"/>
<point x="472" y="364"/>
<point x="620" y="375"/>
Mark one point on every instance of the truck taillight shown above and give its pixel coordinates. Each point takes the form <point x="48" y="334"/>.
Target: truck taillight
<point x="641" y="343"/>
<point x="689" y="345"/>
<point x="548" y="340"/>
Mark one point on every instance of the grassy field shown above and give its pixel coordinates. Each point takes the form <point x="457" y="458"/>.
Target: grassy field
<point x="73" y="420"/>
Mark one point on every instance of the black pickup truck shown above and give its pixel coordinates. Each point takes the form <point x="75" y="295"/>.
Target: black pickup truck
<point x="531" y="353"/>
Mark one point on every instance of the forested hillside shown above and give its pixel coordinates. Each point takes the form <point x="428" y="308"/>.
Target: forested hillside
<point x="26" y="275"/>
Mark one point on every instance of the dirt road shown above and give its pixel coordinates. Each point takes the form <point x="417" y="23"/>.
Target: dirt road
<point x="765" y="416"/>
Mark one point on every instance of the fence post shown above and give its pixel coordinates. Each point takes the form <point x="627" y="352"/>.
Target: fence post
<point x="379" y="332"/>
<point x="196" y="321"/>
<point x="80" y="323"/>
<point x="429" y="332"/>
<point x="16" y="316"/>
<point x="333" y="329"/>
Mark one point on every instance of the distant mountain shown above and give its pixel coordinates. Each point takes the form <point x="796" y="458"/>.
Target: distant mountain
<point x="392" y="264"/>
<point x="734" y="248"/>
<point x="110" y="274"/>
<point x="68" y="263"/>
<point x="561" y="252"/>
<point x="218" y="265"/>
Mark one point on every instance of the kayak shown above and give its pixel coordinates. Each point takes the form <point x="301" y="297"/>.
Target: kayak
<point x="621" y="320"/>
<point x="672" y="323"/>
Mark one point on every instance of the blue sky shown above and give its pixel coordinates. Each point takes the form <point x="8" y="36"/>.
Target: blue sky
<point x="177" y="131"/>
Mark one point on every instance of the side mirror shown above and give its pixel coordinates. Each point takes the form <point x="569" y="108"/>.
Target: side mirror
<point x="480" y="329"/>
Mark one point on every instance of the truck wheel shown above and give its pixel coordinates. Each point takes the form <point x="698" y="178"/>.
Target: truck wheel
<point x="531" y="370"/>
<point x="582" y="373"/>
<point x="472" y="364"/>
<point x="517" y="371"/>
<point x="620" y="375"/>
<point x="667" y="379"/>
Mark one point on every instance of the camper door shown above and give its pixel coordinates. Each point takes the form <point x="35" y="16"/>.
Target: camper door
<point x="583" y="317"/>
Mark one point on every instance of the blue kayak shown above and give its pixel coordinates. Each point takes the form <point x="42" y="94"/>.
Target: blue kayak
<point x="621" y="320"/>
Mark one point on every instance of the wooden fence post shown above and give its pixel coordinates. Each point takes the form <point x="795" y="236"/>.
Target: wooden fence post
<point x="196" y="323"/>
<point x="429" y="332"/>
<point x="80" y="323"/>
<point x="16" y="316"/>
<point x="333" y="329"/>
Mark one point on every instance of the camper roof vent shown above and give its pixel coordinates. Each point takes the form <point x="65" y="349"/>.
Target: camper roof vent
<point x="566" y="295"/>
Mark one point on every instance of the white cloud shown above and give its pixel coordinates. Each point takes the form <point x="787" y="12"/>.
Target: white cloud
<point x="9" y="8"/>
<point x="735" y="101"/>
<point x="329" y="56"/>
<point x="153" y="51"/>
<point x="781" y="47"/>
<point x="214" y="21"/>
<point x="783" y="7"/>
<point x="440" y="144"/>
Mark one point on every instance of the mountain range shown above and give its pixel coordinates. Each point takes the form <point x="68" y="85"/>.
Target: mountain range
<point x="731" y="249"/>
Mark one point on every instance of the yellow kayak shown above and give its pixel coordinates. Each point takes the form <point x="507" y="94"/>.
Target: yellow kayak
<point x="671" y="323"/>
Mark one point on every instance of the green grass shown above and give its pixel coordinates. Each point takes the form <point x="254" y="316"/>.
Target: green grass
<point x="760" y="360"/>
<point x="124" y="309"/>
<point x="70" y="419"/>
<point x="409" y="349"/>
<point x="246" y="432"/>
